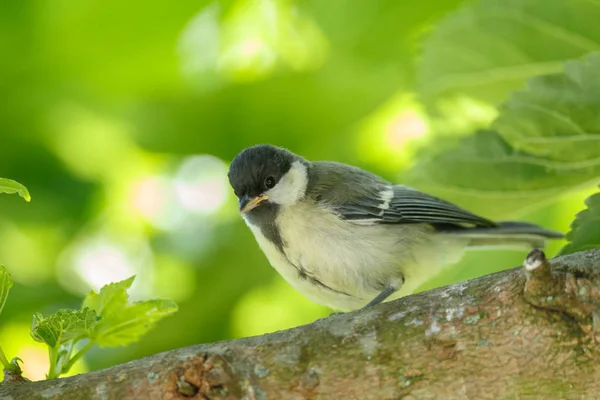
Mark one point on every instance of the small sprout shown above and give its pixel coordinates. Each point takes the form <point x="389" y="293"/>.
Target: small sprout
<point x="122" y="322"/>
<point x="13" y="372"/>
<point x="107" y="319"/>
<point x="11" y="368"/>
<point x="62" y="326"/>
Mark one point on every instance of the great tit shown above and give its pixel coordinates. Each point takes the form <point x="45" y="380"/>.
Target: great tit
<point x="346" y="238"/>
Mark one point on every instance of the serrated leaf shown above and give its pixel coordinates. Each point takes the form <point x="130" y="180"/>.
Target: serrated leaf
<point x="120" y="322"/>
<point x="585" y="229"/>
<point x="557" y="116"/>
<point x="6" y="283"/>
<point x="9" y="186"/>
<point x="111" y="299"/>
<point x="491" y="47"/>
<point x="490" y="174"/>
<point x="134" y="321"/>
<point x="62" y="326"/>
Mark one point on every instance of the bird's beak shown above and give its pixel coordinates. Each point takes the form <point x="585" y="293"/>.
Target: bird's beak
<point x="247" y="203"/>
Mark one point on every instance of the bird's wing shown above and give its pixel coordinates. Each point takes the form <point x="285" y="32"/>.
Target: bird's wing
<point x="363" y="198"/>
<point x="393" y="204"/>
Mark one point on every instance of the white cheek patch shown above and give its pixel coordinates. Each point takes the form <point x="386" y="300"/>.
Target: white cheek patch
<point x="291" y="187"/>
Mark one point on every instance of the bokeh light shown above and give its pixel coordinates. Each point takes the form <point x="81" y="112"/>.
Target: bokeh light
<point x="154" y="199"/>
<point x="30" y="248"/>
<point x="249" y="42"/>
<point x="391" y="135"/>
<point x="94" y="260"/>
<point x="201" y="184"/>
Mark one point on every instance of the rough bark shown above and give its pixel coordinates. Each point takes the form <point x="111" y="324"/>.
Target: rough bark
<point x="524" y="333"/>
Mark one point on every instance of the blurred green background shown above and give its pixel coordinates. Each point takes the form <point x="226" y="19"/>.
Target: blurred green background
<point x="121" y="118"/>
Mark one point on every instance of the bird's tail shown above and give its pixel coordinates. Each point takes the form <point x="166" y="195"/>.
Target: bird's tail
<point x="508" y="234"/>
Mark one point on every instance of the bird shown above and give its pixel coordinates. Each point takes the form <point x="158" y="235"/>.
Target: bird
<point x="347" y="238"/>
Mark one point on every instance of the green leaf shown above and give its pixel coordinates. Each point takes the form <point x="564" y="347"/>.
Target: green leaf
<point x="585" y="229"/>
<point x="531" y="157"/>
<point x="122" y="322"/>
<point x="490" y="47"/>
<point x="9" y="186"/>
<point x="133" y="322"/>
<point x="111" y="299"/>
<point x="62" y="326"/>
<point x="557" y="116"/>
<point x="6" y="283"/>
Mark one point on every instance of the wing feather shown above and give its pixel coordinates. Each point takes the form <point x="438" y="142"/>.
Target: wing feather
<point x="363" y="198"/>
<point x="407" y="206"/>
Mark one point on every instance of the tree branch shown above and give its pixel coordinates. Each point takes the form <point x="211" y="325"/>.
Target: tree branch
<point x="525" y="331"/>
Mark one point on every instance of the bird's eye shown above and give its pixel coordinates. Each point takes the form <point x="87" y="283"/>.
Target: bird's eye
<point x="270" y="182"/>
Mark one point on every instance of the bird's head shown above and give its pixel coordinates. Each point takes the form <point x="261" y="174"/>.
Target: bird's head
<point x="265" y="174"/>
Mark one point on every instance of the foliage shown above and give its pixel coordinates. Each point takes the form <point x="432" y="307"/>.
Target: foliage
<point x="488" y="48"/>
<point x="106" y="319"/>
<point x="544" y="142"/>
<point x="63" y="326"/>
<point x="121" y="322"/>
<point x="585" y="229"/>
<point x="9" y="186"/>
<point x="555" y="118"/>
<point x="6" y="282"/>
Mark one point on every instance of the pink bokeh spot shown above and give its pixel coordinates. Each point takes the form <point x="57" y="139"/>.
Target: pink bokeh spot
<point x="404" y="127"/>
